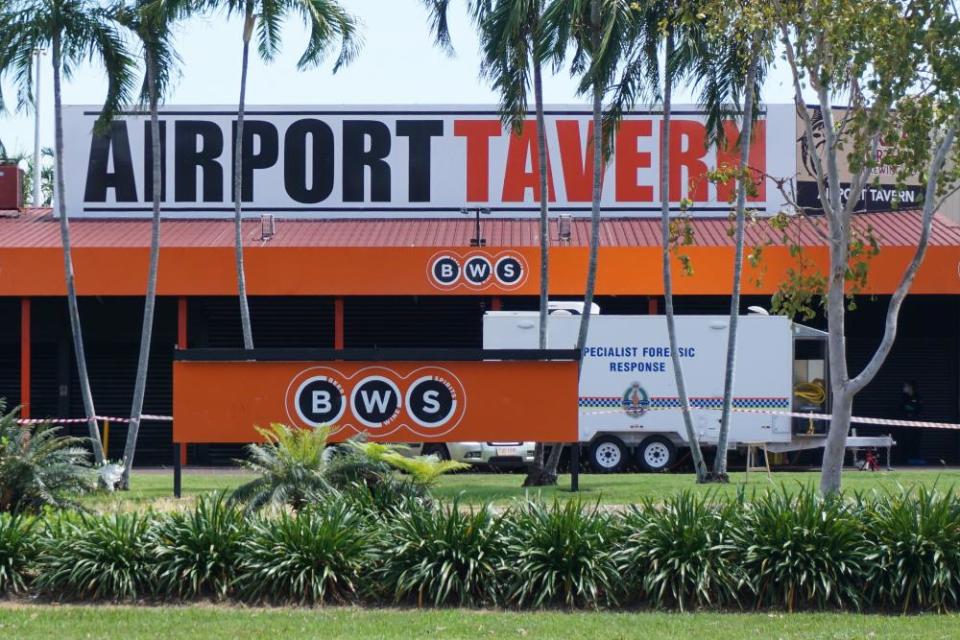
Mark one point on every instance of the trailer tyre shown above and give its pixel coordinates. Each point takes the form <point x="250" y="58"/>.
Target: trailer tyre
<point x="608" y="454"/>
<point x="656" y="454"/>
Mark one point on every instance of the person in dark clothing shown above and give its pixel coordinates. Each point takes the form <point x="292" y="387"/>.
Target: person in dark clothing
<point x="910" y="401"/>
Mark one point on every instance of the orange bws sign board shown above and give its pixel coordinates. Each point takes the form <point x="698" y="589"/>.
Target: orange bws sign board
<point x="422" y="401"/>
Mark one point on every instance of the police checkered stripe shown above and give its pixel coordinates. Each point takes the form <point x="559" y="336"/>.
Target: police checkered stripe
<point x="599" y="402"/>
<point x="696" y="403"/>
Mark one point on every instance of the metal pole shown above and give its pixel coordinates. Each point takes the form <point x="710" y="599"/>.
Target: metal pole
<point x="177" y="470"/>
<point x="37" y="201"/>
<point x="575" y="466"/>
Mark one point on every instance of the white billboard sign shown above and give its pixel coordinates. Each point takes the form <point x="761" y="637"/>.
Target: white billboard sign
<point x="388" y="162"/>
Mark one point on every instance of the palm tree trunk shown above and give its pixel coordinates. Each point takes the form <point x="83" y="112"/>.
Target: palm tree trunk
<point x="536" y="469"/>
<point x="73" y="308"/>
<point x="598" y="166"/>
<point x="720" y="462"/>
<point x="249" y="21"/>
<point x="146" y="332"/>
<point x="694" y="443"/>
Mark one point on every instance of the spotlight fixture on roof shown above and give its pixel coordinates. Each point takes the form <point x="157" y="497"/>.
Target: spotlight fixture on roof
<point x="478" y="240"/>
<point x="268" y="226"/>
<point x="564" y="227"/>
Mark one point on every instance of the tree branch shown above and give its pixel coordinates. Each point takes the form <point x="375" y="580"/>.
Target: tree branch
<point x="856" y="384"/>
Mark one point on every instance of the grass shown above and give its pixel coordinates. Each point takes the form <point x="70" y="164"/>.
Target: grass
<point x="154" y="487"/>
<point x="63" y="622"/>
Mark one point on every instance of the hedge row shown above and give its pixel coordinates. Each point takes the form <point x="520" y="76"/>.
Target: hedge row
<point x="898" y="552"/>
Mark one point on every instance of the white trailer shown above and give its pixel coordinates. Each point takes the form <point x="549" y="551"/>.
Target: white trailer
<point x="628" y="400"/>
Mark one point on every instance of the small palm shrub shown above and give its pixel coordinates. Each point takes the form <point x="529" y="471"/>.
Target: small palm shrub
<point x="17" y="552"/>
<point x="196" y="553"/>
<point x="40" y="468"/>
<point x="802" y="550"/>
<point x="291" y="466"/>
<point x="560" y="555"/>
<point x="680" y="553"/>
<point x="312" y="557"/>
<point x="914" y="557"/>
<point x="96" y="558"/>
<point x="439" y="556"/>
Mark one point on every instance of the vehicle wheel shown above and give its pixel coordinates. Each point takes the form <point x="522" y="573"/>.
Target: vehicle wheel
<point x="439" y="450"/>
<point x="608" y="454"/>
<point x="656" y="453"/>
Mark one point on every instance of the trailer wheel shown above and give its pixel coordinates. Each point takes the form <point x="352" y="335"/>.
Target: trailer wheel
<point x="608" y="454"/>
<point x="656" y="453"/>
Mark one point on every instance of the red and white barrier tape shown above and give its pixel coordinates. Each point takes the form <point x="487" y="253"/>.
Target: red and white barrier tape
<point x="143" y="418"/>
<point x="919" y="424"/>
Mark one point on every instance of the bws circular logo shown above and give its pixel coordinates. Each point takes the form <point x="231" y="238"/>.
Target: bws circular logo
<point x="319" y="401"/>
<point x="477" y="270"/>
<point x="375" y="401"/>
<point x="431" y="401"/>
<point x="428" y="401"/>
<point x="445" y="270"/>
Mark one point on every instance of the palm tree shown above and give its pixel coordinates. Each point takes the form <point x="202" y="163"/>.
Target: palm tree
<point x="726" y="56"/>
<point x="600" y="32"/>
<point x="150" y="22"/>
<point x="75" y="31"/>
<point x="513" y="51"/>
<point x="329" y="24"/>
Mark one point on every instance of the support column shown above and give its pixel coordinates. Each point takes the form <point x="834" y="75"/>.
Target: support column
<point x="338" y="322"/>
<point x="652" y="306"/>
<point x="496" y="304"/>
<point x="25" y="357"/>
<point x="181" y="344"/>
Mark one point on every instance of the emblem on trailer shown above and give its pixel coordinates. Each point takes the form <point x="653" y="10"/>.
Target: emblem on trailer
<point x="635" y="401"/>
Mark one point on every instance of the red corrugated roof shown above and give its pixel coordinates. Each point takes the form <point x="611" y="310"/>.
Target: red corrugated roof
<point x="38" y="228"/>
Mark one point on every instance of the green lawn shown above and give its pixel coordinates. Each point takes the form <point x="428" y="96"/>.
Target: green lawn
<point x="205" y="621"/>
<point x="150" y="487"/>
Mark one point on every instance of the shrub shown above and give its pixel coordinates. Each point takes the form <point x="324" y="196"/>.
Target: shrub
<point x="915" y="558"/>
<point x="196" y="553"/>
<point x="680" y="553"/>
<point x="561" y="555"/>
<point x="385" y="495"/>
<point x="291" y="466"/>
<point x="313" y="557"/>
<point x="439" y="556"/>
<point x="17" y="552"/>
<point x="802" y="550"/>
<point x="39" y="468"/>
<point x="96" y="558"/>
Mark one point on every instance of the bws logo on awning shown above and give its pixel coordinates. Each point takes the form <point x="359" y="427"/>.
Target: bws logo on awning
<point x="429" y="401"/>
<point x="477" y="270"/>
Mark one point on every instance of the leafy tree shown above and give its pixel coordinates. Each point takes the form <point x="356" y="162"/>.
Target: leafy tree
<point x="76" y="31"/>
<point x="331" y="27"/>
<point x="897" y="67"/>
<point x="150" y="21"/>
<point x="38" y="467"/>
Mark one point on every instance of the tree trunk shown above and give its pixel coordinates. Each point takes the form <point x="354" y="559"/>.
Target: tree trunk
<point x="146" y="332"/>
<point x="249" y="21"/>
<point x="746" y="132"/>
<point x="692" y="439"/>
<point x="598" y="166"/>
<point x="536" y="469"/>
<point x="72" y="305"/>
